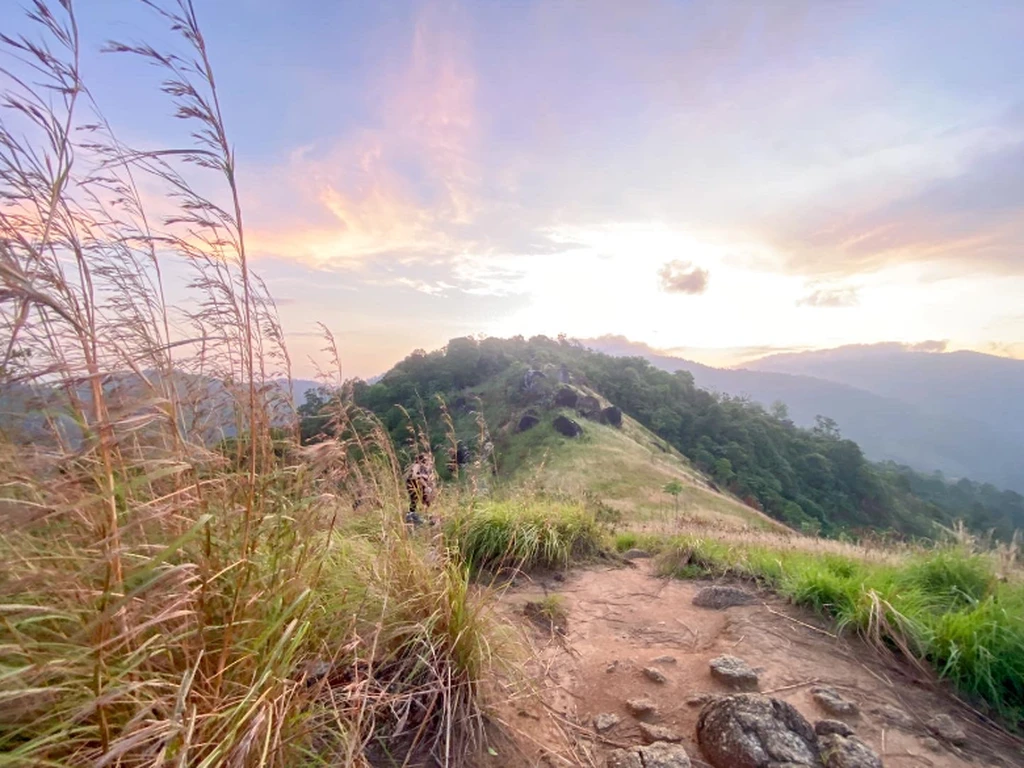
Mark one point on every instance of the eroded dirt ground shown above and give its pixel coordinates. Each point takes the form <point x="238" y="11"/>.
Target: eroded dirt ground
<point x="620" y="620"/>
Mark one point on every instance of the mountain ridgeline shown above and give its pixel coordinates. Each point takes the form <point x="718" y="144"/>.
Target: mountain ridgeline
<point x="811" y="479"/>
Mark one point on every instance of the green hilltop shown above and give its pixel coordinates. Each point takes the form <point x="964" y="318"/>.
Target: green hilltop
<point x="734" y="458"/>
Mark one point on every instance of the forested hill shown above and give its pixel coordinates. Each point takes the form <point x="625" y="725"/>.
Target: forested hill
<point x="812" y="479"/>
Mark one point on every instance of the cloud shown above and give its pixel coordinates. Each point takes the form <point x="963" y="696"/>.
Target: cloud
<point x="830" y="297"/>
<point x="934" y="345"/>
<point x="678" y="276"/>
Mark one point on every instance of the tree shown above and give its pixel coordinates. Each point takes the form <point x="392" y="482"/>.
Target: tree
<point x="673" y="489"/>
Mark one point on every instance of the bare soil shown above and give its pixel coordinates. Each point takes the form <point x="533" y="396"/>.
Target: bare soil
<point x="621" y="620"/>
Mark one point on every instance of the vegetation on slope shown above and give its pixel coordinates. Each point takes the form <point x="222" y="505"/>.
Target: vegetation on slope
<point x="950" y="607"/>
<point x="813" y="480"/>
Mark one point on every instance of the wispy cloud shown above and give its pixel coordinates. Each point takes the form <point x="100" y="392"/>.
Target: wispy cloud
<point x="830" y="297"/>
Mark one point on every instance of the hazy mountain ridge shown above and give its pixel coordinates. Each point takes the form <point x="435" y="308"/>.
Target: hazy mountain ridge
<point x="890" y="418"/>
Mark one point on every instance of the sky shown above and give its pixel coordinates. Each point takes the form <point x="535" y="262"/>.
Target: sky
<point x="719" y="180"/>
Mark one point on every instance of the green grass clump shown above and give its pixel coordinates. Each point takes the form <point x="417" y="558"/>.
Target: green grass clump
<point x="524" y="533"/>
<point x="944" y="607"/>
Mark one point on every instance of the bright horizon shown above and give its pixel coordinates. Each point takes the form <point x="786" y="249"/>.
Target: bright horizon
<point x="714" y="180"/>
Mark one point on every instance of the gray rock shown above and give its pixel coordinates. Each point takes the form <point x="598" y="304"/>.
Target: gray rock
<point x="655" y="675"/>
<point x="612" y="415"/>
<point x="566" y="426"/>
<point x="663" y="755"/>
<point x="752" y="731"/>
<point x="932" y="745"/>
<point x="832" y="728"/>
<point x="566" y="397"/>
<point x="847" y="752"/>
<point x="895" y="717"/>
<point x="830" y="700"/>
<point x="735" y="673"/>
<point x="636" y="554"/>
<point x="652" y="733"/>
<point x="719" y="597"/>
<point x="664" y="660"/>
<point x="641" y="707"/>
<point x="624" y="758"/>
<point x="612" y="667"/>
<point x="946" y="728"/>
<point x="606" y="721"/>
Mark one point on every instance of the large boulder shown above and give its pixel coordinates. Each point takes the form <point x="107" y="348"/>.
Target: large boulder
<point x="566" y="426"/>
<point x="612" y="415"/>
<point x="752" y="731"/>
<point x="589" y="407"/>
<point x="566" y="397"/>
<point x="528" y="420"/>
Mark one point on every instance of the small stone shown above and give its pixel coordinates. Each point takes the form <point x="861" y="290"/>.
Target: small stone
<point x="829" y="700"/>
<point x="832" y="728"/>
<point x="656" y="675"/>
<point x="895" y="717"/>
<point x="664" y="755"/>
<point x="612" y="667"/>
<point x="653" y="733"/>
<point x="606" y="721"/>
<point x="735" y="673"/>
<point x="624" y="758"/>
<point x="932" y="745"/>
<point x="847" y="752"/>
<point x="641" y="707"/>
<point x="664" y="660"/>
<point x="719" y="597"/>
<point x="946" y="728"/>
<point x="636" y="554"/>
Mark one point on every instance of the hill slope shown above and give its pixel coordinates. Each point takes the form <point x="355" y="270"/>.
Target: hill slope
<point x="810" y="479"/>
<point x="930" y="421"/>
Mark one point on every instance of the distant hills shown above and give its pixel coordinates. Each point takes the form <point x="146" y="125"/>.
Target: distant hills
<point x="961" y="413"/>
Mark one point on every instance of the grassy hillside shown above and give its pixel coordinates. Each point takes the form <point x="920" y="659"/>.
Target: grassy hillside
<point x="811" y="479"/>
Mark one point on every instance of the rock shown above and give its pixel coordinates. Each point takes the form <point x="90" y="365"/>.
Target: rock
<point x="946" y="728"/>
<point x="589" y="407"/>
<point x="664" y="755"/>
<point x="641" y="707"/>
<point x="624" y="758"/>
<point x="847" y="752"/>
<point x="655" y="675"/>
<point x="753" y="731"/>
<point x="653" y="733"/>
<point x="566" y="397"/>
<point x="606" y="721"/>
<point x="563" y="374"/>
<point x="612" y="415"/>
<point x="894" y="717"/>
<point x="735" y="673"/>
<point x="635" y="554"/>
<point x="529" y="420"/>
<point x="832" y="727"/>
<point x="316" y="670"/>
<point x="566" y="426"/>
<point x="932" y="745"/>
<point x="830" y="700"/>
<point x="664" y="660"/>
<point x="701" y="699"/>
<point x="719" y="597"/>
<point x="531" y="377"/>
<point x="612" y="667"/>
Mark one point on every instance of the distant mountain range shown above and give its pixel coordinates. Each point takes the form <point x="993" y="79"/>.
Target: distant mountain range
<point x="961" y="413"/>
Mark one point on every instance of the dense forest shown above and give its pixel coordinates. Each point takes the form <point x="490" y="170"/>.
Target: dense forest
<point x="811" y="479"/>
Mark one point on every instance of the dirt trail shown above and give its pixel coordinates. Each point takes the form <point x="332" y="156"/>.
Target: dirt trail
<point x="620" y="620"/>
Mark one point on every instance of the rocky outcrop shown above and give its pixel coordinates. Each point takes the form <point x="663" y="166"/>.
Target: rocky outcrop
<point x="719" y="597"/>
<point x="612" y="415"/>
<point x="566" y="397"/>
<point x="566" y="426"/>
<point x="589" y="407"/>
<point x="528" y="420"/>
<point x="751" y="731"/>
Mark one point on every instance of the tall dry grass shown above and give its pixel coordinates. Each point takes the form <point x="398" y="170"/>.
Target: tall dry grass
<point x="168" y="597"/>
